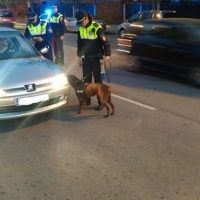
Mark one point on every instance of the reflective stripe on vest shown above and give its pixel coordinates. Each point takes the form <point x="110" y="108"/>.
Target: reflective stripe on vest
<point x="54" y="19"/>
<point x="40" y="29"/>
<point x="89" y="32"/>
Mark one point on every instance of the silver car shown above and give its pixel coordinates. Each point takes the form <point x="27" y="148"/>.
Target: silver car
<point x="71" y="23"/>
<point x="127" y="26"/>
<point x="29" y="83"/>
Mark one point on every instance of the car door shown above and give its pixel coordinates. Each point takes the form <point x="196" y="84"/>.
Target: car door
<point x="133" y="19"/>
<point x="151" y="48"/>
<point x="181" y="48"/>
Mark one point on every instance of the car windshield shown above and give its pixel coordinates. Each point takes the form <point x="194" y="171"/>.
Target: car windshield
<point x="6" y="13"/>
<point x="44" y="16"/>
<point x="14" y="45"/>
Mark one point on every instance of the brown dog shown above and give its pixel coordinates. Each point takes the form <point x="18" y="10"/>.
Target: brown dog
<point x="85" y="90"/>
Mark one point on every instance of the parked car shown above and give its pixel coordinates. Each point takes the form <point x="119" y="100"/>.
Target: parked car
<point x="126" y="27"/>
<point x="71" y="23"/>
<point x="6" y="18"/>
<point x="30" y="84"/>
<point x="168" y="45"/>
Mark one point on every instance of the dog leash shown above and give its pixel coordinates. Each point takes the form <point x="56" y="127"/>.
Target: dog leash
<point x="107" y="70"/>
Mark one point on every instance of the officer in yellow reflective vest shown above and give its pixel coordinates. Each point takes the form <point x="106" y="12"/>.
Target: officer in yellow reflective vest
<point x="58" y="27"/>
<point x="39" y="33"/>
<point x="92" y="46"/>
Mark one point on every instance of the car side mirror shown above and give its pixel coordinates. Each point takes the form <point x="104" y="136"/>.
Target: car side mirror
<point x="44" y="50"/>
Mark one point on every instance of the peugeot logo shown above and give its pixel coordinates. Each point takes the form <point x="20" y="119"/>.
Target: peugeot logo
<point x="30" y="87"/>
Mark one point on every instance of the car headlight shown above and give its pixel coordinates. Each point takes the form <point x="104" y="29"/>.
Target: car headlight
<point x="2" y="93"/>
<point x="59" y="81"/>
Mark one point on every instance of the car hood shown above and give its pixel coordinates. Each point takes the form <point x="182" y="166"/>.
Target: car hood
<point x="17" y="72"/>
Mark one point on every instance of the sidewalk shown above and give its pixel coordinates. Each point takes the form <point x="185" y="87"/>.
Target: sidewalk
<point x="110" y="28"/>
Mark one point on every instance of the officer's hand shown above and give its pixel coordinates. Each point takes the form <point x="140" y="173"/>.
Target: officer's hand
<point x="80" y="62"/>
<point x="32" y="41"/>
<point x="39" y="39"/>
<point x="61" y="37"/>
<point x="106" y="58"/>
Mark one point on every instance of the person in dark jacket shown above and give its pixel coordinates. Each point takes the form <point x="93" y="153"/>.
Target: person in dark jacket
<point x="92" y="46"/>
<point x="58" y="27"/>
<point x="40" y="34"/>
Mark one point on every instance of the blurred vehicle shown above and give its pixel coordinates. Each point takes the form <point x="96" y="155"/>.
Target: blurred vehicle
<point x="167" y="45"/>
<point x="71" y="23"/>
<point x="6" y="18"/>
<point x="45" y="17"/>
<point x="125" y="27"/>
<point x="30" y="84"/>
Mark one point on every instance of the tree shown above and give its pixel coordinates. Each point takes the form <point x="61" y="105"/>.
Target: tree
<point x="11" y="3"/>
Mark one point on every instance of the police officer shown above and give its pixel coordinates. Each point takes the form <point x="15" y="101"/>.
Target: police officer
<point x="58" y="27"/>
<point x="92" y="46"/>
<point x="39" y="33"/>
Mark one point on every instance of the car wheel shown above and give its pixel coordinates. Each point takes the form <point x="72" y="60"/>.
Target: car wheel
<point x="134" y="67"/>
<point x="195" y="76"/>
<point x="122" y="32"/>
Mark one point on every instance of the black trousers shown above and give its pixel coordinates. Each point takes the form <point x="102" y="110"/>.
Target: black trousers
<point x="58" y="51"/>
<point x="91" y="66"/>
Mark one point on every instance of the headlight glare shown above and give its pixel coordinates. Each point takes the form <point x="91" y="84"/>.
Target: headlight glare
<point x="59" y="81"/>
<point x="2" y="93"/>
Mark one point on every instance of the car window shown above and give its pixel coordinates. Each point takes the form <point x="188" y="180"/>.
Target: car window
<point x="6" y="13"/>
<point x="134" y="18"/>
<point x="157" y="16"/>
<point x="146" y="16"/>
<point x="14" y="45"/>
<point x="170" y="15"/>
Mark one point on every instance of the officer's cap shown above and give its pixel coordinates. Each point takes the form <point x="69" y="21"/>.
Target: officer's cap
<point x="54" y="6"/>
<point x="31" y="16"/>
<point x="80" y="16"/>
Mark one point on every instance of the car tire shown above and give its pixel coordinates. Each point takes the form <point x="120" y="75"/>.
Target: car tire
<point x="195" y="76"/>
<point x="122" y="32"/>
<point x="133" y="67"/>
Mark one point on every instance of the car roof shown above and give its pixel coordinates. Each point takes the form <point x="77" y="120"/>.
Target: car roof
<point x="2" y="29"/>
<point x="161" y="11"/>
<point x="174" y="21"/>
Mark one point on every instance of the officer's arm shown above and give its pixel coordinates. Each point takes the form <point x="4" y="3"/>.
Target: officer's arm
<point x="104" y="41"/>
<point x="80" y="52"/>
<point x="62" y="25"/>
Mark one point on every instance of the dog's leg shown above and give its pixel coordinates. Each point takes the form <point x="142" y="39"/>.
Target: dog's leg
<point x="111" y="105"/>
<point x="107" y="109"/>
<point x="81" y="102"/>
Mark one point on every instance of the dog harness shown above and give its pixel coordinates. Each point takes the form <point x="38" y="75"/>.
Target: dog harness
<point x="81" y="88"/>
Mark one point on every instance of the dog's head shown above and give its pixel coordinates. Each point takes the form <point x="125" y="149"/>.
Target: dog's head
<point x="73" y="81"/>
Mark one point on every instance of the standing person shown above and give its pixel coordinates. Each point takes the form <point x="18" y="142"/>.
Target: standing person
<point x="58" y="27"/>
<point x="39" y="33"/>
<point x="92" y="45"/>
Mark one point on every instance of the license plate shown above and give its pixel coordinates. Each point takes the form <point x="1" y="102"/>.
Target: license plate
<point x="31" y="100"/>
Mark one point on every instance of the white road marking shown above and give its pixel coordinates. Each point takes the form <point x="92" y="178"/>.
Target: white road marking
<point x="134" y="102"/>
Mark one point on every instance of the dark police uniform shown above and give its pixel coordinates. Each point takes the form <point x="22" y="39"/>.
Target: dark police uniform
<point x="43" y="30"/>
<point x="58" y="27"/>
<point x="92" y="46"/>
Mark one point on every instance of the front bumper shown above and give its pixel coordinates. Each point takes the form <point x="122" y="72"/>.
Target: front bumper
<point x="57" y="98"/>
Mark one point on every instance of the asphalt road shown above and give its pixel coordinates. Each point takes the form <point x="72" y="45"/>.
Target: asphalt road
<point x="149" y="150"/>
